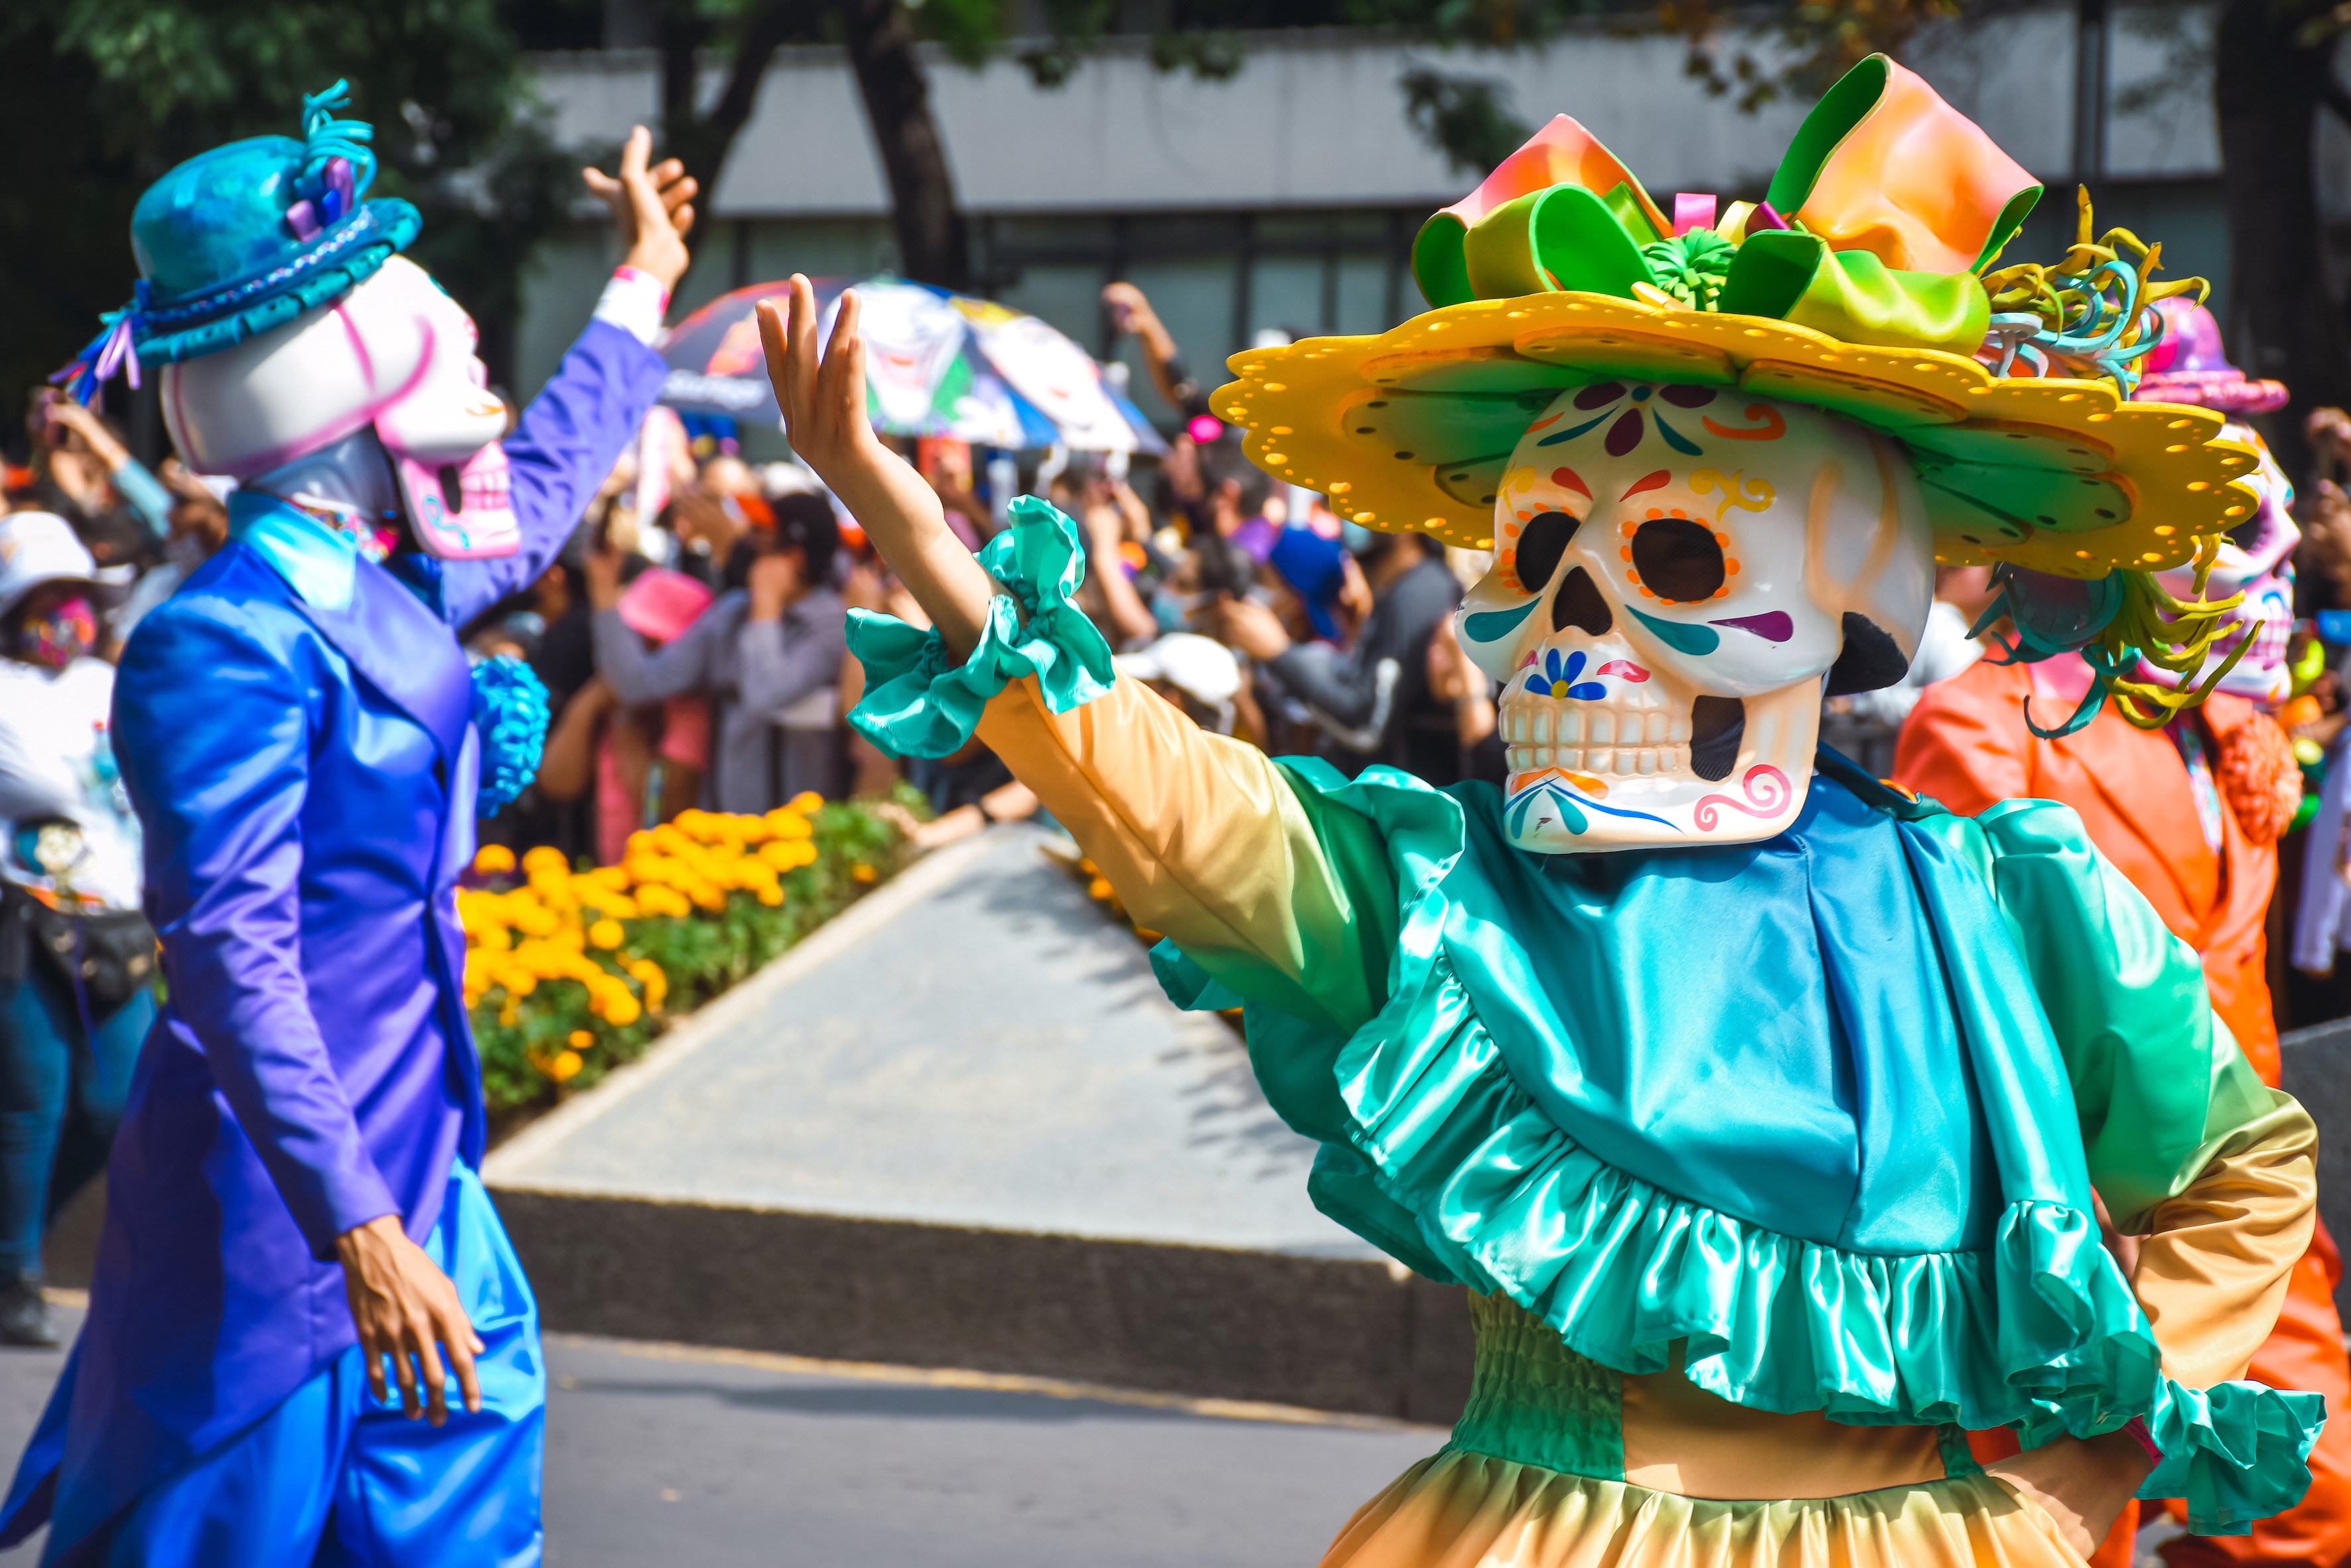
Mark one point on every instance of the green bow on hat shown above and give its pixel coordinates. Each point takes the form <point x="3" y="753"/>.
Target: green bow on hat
<point x="1883" y="176"/>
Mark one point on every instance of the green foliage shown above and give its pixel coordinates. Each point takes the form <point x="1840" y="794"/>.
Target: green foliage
<point x="1463" y="117"/>
<point x="99" y="98"/>
<point x="556" y="1038"/>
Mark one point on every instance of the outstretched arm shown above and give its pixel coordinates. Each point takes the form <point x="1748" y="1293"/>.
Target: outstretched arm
<point x="574" y="430"/>
<point x="823" y="400"/>
<point x="1205" y="839"/>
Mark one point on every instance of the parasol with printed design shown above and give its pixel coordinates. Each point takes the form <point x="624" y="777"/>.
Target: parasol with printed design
<point x="936" y="364"/>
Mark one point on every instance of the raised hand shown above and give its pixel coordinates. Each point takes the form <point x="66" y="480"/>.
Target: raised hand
<point x="823" y="400"/>
<point x="651" y="207"/>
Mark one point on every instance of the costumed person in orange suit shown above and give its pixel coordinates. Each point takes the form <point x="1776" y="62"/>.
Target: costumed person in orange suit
<point x="2190" y="811"/>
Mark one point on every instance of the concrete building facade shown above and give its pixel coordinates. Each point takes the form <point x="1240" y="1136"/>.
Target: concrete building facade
<point x="1286" y="196"/>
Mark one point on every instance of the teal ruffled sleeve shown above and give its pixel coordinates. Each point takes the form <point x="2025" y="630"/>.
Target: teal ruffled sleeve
<point x="919" y="702"/>
<point x="2162" y="1093"/>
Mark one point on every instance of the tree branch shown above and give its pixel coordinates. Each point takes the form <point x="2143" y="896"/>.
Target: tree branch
<point x="770" y="26"/>
<point x="2334" y="96"/>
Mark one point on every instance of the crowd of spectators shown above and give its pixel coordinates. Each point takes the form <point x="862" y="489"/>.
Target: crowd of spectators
<point x="692" y="638"/>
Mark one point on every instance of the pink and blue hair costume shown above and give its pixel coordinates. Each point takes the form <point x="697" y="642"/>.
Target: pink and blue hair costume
<point x="304" y="744"/>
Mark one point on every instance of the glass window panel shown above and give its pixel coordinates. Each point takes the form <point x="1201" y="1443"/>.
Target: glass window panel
<point x="1363" y="294"/>
<point x="559" y="287"/>
<point x="1194" y="298"/>
<point x="1286" y="292"/>
<point x="1069" y="298"/>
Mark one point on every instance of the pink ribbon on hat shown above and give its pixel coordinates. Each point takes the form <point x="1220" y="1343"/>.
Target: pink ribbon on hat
<point x="1698" y="210"/>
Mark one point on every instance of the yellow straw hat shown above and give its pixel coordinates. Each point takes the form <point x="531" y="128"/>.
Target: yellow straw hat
<point x="1874" y="296"/>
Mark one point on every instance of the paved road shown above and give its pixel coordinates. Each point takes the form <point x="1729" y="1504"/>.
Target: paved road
<point x="654" y="1458"/>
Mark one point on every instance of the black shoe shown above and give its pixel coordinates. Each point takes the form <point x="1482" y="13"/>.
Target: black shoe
<point x="24" y="1317"/>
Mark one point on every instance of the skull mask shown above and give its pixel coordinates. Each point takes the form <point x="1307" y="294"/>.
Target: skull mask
<point x="1676" y="572"/>
<point x="2255" y="560"/>
<point x="395" y="353"/>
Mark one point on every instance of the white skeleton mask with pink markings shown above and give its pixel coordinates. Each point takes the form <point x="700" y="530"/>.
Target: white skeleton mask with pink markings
<point x="1679" y="575"/>
<point x="2255" y="560"/>
<point x="393" y="364"/>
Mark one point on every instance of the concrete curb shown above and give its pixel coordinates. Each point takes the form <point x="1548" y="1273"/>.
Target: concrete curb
<point x="1339" y="1334"/>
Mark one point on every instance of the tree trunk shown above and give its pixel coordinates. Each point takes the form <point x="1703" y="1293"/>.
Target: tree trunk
<point x="701" y="142"/>
<point x="934" y="244"/>
<point x="2268" y="91"/>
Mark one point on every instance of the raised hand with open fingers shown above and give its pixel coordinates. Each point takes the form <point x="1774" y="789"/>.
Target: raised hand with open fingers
<point x="823" y="401"/>
<point x="652" y="207"/>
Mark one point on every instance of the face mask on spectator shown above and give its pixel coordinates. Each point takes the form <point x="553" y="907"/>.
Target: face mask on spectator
<point x="67" y="632"/>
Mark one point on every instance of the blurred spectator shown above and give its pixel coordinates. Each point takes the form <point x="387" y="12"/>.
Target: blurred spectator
<point x="643" y="763"/>
<point x="946" y="463"/>
<point x="2325" y="513"/>
<point x="1372" y="703"/>
<point x="765" y="656"/>
<point x="199" y="527"/>
<point x="1182" y="481"/>
<point x="1202" y="677"/>
<point x="76" y="957"/>
<point x="1012" y="802"/>
<point x="1311" y="586"/>
<point x="1133" y="315"/>
<point x="85" y="474"/>
<point x="1455" y="678"/>
<point x="708" y="526"/>
<point x="1109" y="517"/>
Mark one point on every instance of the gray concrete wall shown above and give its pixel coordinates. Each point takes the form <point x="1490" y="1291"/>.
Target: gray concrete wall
<point x="2317" y="1070"/>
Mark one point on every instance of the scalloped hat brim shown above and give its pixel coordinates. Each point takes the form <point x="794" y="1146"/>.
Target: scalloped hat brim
<point x="399" y="223"/>
<point x="1410" y="430"/>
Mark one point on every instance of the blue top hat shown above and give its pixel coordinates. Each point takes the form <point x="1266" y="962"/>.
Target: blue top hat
<point x="246" y="238"/>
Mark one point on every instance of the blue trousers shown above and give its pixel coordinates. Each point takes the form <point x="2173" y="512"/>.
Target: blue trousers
<point x="61" y="1092"/>
<point x="331" y="1477"/>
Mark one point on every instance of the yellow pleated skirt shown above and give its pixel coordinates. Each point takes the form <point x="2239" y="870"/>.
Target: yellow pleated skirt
<point x="1460" y="1510"/>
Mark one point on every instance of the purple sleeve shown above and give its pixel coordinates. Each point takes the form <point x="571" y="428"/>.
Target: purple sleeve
<point x="569" y="437"/>
<point x="212" y="733"/>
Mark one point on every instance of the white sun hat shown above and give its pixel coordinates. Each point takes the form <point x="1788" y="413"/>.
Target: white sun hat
<point x="38" y="548"/>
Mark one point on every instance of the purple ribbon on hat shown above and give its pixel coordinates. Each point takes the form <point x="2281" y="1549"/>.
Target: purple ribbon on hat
<point x="309" y="220"/>
<point x="116" y="347"/>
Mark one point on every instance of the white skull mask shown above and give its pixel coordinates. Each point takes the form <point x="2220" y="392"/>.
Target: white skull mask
<point x="1675" y="570"/>
<point x="395" y="353"/>
<point x="2255" y="560"/>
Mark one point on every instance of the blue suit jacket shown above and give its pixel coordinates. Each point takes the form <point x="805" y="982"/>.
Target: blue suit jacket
<point x="306" y="780"/>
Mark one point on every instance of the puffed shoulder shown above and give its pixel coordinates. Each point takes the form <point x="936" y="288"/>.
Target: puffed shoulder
<point x="920" y="703"/>
<point x="233" y="607"/>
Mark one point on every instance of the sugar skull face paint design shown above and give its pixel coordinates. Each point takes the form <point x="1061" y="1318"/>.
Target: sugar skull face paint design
<point x="1676" y="570"/>
<point x="395" y="352"/>
<point x="2256" y="559"/>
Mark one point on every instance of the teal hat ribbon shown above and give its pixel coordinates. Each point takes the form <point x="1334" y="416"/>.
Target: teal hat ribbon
<point x="246" y="238"/>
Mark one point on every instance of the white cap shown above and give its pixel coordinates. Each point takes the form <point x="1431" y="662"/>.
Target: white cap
<point x="1199" y="667"/>
<point x="38" y="548"/>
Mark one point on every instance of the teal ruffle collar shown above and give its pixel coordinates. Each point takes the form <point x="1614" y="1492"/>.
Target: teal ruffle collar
<point x="1452" y="1169"/>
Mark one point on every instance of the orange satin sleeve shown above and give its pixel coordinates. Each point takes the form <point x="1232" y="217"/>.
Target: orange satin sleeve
<point x="1965" y="744"/>
<point x="2213" y="1270"/>
<point x="1206" y="842"/>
